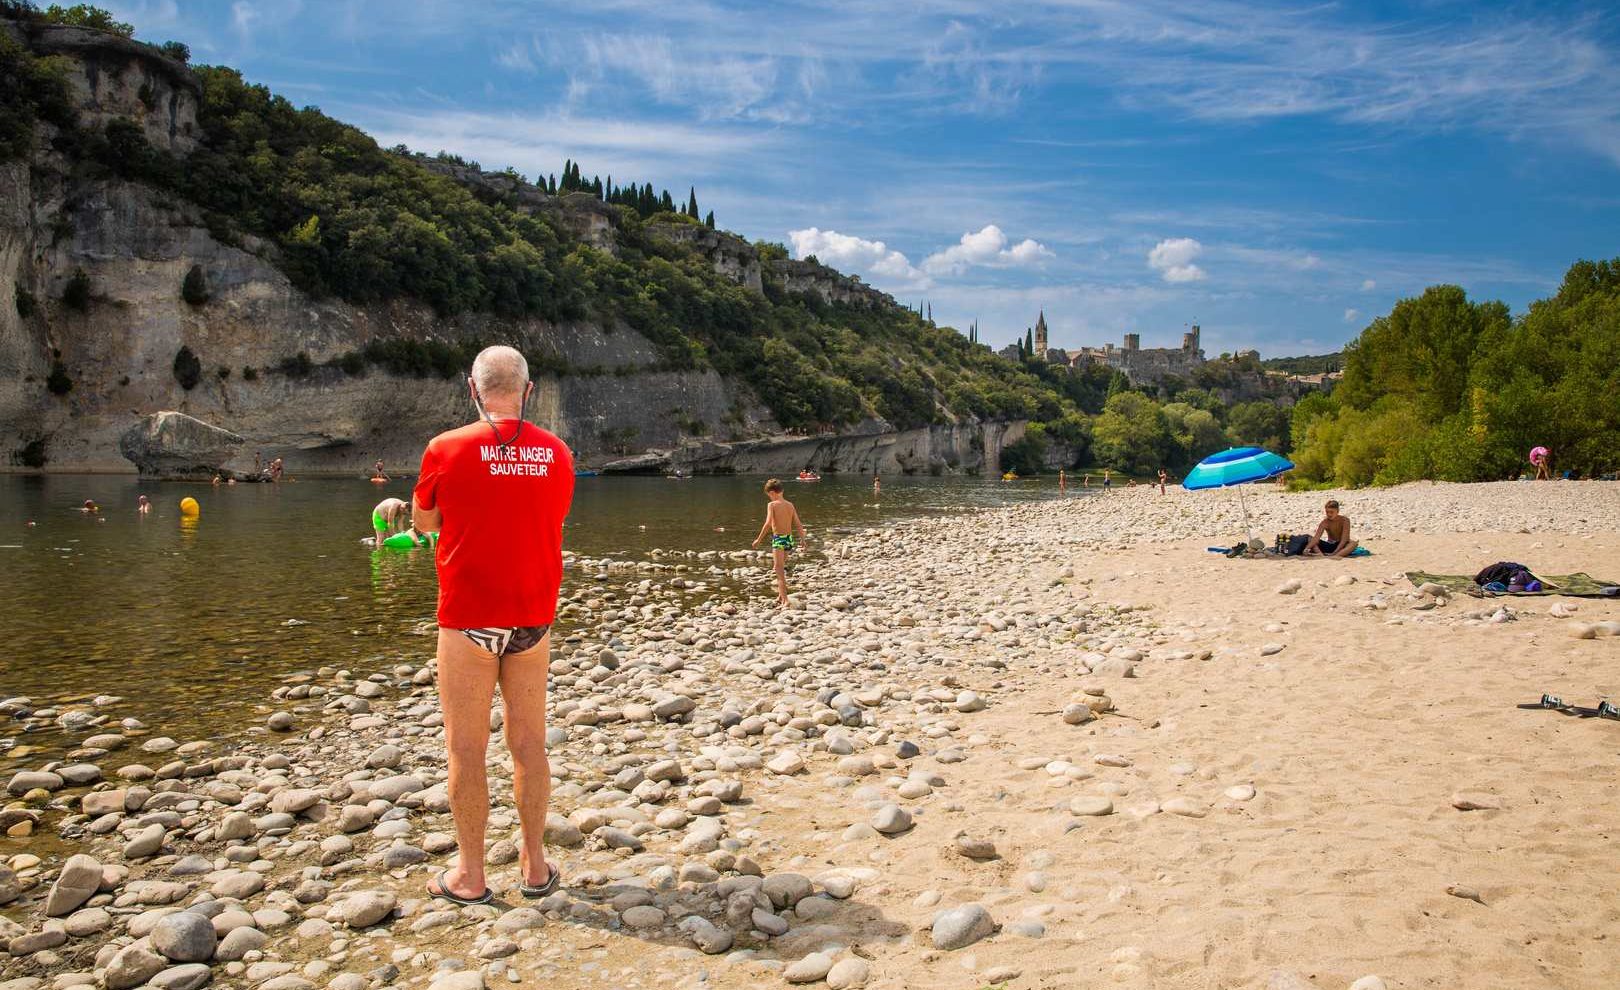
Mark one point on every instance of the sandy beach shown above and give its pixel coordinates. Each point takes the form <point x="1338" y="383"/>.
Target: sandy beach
<point x="1053" y="745"/>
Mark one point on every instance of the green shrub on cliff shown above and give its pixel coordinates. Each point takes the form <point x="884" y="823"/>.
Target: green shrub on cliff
<point x="194" y="287"/>
<point x="24" y="300"/>
<point x="58" y="382"/>
<point x="76" y="293"/>
<point x="187" y="368"/>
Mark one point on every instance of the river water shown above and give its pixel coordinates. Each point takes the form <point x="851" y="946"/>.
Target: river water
<point x="192" y="626"/>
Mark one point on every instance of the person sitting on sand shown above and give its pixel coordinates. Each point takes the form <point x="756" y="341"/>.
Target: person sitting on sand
<point x="1332" y="536"/>
<point x="392" y="515"/>
<point x="782" y="523"/>
<point x="496" y="491"/>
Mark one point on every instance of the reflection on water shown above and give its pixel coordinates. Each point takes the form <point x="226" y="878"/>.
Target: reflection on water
<point x="193" y="622"/>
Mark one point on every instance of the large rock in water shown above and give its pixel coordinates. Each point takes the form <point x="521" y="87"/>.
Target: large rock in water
<point x="174" y="445"/>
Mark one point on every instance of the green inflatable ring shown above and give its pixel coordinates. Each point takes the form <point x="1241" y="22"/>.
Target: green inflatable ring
<point x="410" y="541"/>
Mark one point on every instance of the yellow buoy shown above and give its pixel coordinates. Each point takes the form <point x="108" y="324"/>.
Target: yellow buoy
<point x="189" y="507"/>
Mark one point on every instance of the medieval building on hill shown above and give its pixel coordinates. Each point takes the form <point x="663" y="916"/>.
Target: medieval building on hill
<point x="1143" y="366"/>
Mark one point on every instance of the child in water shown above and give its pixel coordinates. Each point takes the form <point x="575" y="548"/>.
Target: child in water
<point x="781" y="523"/>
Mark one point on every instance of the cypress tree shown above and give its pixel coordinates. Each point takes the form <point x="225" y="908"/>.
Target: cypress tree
<point x="596" y="186"/>
<point x="649" y="200"/>
<point x="666" y="202"/>
<point x="1029" y="342"/>
<point x="708" y="221"/>
<point x="552" y="188"/>
<point x="691" y="203"/>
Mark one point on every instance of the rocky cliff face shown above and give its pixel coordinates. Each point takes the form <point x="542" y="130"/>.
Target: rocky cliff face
<point x="114" y="78"/>
<point x="974" y="447"/>
<point x="75" y="378"/>
<point x="811" y="278"/>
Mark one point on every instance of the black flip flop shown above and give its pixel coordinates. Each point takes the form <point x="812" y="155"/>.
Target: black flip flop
<point x="546" y="889"/>
<point x="444" y="892"/>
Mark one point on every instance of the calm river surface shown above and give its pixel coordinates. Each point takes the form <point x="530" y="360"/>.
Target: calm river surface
<point x="193" y="626"/>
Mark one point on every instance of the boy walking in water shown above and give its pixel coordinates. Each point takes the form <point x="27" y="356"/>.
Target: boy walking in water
<point x="781" y="523"/>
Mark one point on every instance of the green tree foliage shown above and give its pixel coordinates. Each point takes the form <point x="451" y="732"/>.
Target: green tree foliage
<point x="187" y="368"/>
<point x="83" y="15"/>
<point x="1458" y="391"/>
<point x="1311" y="364"/>
<point x="1132" y="434"/>
<point x="1421" y="351"/>
<point x="32" y="89"/>
<point x="1258" y="424"/>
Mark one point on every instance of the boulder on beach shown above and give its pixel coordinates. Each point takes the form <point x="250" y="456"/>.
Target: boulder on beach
<point x="173" y="445"/>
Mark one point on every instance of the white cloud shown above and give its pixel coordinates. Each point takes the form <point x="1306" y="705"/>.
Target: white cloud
<point x="988" y="248"/>
<point x="1173" y="259"/>
<point x="1367" y="285"/>
<point x="1350" y="315"/>
<point x="846" y="251"/>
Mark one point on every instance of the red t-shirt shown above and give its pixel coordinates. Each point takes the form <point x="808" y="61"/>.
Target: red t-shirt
<point x="500" y="548"/>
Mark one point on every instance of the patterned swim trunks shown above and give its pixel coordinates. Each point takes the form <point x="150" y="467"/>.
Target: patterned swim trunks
<point x="785" y="542"/>
<point x="502" y="640"/>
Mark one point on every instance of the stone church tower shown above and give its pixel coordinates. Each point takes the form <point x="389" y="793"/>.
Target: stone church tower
<point x="1040" y="334"/>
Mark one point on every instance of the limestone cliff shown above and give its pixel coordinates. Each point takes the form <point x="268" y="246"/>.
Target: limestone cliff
<point x="101" y="336"/>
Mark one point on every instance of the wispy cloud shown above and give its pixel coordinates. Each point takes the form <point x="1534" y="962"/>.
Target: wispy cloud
<point x="630" y="148"/>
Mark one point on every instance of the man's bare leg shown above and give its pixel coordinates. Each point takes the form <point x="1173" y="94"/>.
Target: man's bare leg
<point x="780" y="558"/>
<point x="1346" y="550"/>
<point x="523" y="702"/>
<point x="466" y="686"/>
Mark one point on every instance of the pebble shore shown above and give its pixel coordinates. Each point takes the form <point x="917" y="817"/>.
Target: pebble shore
<point x="878" y="783"/>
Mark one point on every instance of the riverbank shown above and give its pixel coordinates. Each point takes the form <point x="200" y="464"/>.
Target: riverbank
<point x="1047" y="744"/>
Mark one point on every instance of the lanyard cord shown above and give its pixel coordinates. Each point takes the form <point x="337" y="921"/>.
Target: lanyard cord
<point x="478" y="403"/>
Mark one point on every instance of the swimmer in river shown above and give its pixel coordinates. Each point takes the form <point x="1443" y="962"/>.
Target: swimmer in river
<point x="143" y="504"/>
<point x="782" y="523"/>
<point x="377" y="472"/>
<point x="215" y="482"/>
<point x="90" y="507"/>
<point x="877" y="486"/>
<point x="392" y="515"/>
<point x="275" y="470"/>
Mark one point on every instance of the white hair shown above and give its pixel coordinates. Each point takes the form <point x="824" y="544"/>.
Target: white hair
<point x="500" y="370"/>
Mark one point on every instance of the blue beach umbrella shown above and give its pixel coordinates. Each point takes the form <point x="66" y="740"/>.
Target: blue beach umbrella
<point x="1236" y="466"/>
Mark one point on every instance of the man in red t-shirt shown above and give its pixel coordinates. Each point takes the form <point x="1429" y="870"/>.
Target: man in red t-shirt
<point x="496" y="491"/>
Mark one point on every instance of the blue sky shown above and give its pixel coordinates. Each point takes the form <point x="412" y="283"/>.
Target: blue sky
<point x="1279" y="174"/>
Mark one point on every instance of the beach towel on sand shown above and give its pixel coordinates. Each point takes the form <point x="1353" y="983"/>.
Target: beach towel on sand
<point x="1577" y="585"/>
<point x="1238" y="552"/>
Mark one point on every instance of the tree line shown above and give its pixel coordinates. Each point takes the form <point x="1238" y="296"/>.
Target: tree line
<point x="1456" y="390"/>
